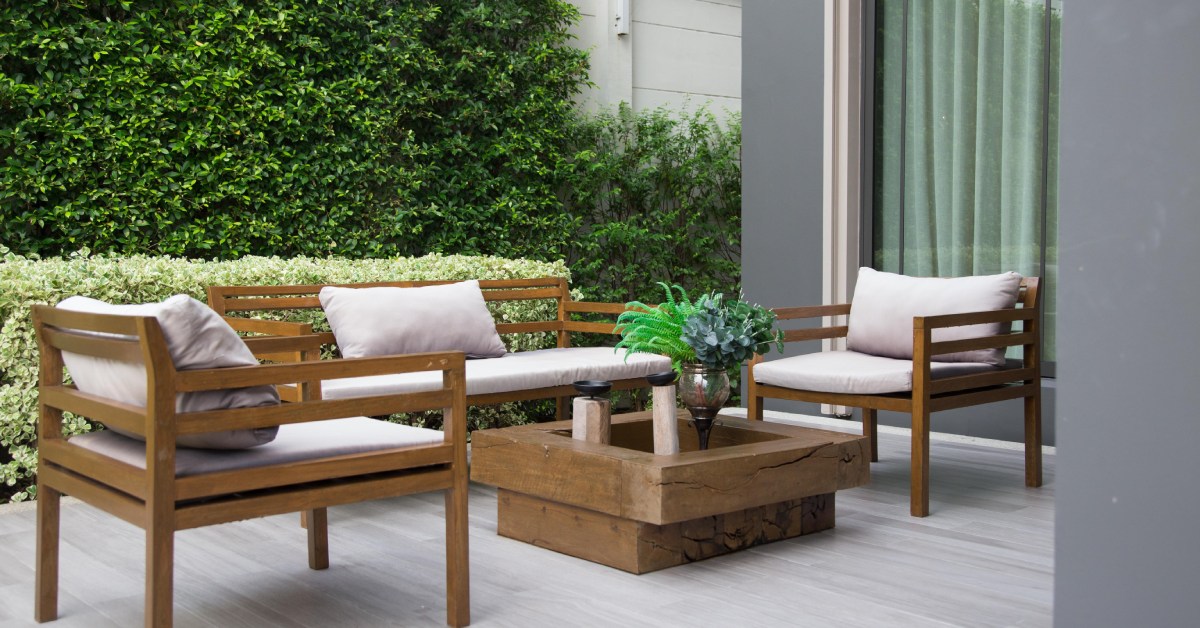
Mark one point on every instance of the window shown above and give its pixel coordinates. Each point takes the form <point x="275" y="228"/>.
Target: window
<point x="964" y="140"/>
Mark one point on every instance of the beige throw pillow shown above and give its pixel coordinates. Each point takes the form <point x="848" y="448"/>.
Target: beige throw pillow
<point x="885" y="304"/>
<point x="390" y="321"/>
<point x="197" y="338"/>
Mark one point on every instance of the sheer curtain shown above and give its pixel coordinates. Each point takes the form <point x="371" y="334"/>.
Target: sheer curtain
<point x="966" y="139"/>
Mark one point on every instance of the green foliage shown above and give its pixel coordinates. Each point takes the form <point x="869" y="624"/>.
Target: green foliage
<point x="726" y="333"/>
<point x="654" y="195"/>
<point x="711" y="330"/>
<point x="275" y="127"/>
<point x="658" y="328"/>
<point x="138" y="279"/>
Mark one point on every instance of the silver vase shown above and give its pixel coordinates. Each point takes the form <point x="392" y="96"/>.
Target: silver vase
<point x="704" y="392"/>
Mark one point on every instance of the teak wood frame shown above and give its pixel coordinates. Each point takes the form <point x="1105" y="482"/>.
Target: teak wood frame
<point x="929" y="395"/>
<point x="226" y="300"/>
<point x="155" y="500"/>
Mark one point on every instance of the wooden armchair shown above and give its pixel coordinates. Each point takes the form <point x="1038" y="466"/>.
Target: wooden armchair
<point x="325" y="453"/>
<point x="919" y="386"/>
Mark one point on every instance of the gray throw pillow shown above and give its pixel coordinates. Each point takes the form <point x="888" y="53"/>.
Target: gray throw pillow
<point x="197" y="338"/>
<point x="885" y="304"/>
<point x="390" y="321"/>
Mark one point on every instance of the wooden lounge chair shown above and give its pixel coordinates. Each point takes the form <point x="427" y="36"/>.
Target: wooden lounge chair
<point x="921" y="384"/>
<point x="326" y="453"/>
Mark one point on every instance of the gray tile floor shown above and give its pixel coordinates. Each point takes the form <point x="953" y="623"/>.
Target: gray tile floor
<point x="983" y="558"/>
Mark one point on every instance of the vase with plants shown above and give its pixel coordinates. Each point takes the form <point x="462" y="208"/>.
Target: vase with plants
<point x="706" y="339"/>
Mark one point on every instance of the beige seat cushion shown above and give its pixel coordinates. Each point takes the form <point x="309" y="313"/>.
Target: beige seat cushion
<point x="293" y="443"/>
<point x="851" y="372"/>
<point x="524" y="370"/>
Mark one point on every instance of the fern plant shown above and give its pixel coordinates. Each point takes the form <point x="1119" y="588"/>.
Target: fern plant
<point x="712" y="331"/>
<point x="658" y="328"/>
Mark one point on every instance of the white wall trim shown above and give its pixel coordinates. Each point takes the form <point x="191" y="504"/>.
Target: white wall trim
<point x="842" y="174"/>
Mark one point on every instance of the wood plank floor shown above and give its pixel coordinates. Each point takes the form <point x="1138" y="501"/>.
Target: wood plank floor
<point x="983" y="558"/>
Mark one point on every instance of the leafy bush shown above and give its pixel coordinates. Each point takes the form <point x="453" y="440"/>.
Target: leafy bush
<point x="138" y="279"/>
<point x="654" y="196"/>
<point x="273" y="127"/>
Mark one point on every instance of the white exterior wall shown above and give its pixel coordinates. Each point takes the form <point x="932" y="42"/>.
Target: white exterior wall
<point x="678" y="53"/>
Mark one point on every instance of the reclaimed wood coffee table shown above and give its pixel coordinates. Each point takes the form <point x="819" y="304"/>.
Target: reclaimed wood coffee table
<point x="622" y="506"/>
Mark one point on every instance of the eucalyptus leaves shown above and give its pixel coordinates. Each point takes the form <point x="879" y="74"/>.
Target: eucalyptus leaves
<point x="713" y="331"/>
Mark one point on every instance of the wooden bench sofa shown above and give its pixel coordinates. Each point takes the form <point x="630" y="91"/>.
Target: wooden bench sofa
<point x="519" y="376"/>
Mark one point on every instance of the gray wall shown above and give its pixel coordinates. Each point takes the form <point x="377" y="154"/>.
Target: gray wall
<point x="782" y="101"/>
<point x="782" y="129"/>
<point x="1128" y="475"/>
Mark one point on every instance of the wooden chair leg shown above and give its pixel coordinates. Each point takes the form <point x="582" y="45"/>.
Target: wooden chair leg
<point x="45" y="606"/>
<point x="318" y="538"/>
<point x="560" y="408"/>
<point x="160" y="575"/>
<point x="458" y="578"/>
<point x="871" y="431"/>
<point x="754" y="405"/>
<point x="919" y="491"/>
<point x="1033" y="439"/>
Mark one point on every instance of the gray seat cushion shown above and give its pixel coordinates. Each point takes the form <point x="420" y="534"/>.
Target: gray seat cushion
<point x="293" y="443"/>
<point x="524" y="370"/>
<point x="851" y="372"/>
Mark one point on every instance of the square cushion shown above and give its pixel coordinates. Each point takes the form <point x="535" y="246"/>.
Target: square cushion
<point x="197" y="338"/>
<point x="885" y="304"/>
<point x="390" y="321"/>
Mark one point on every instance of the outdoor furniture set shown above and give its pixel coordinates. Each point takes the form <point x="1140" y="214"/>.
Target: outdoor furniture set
<point x="196" y="417"/>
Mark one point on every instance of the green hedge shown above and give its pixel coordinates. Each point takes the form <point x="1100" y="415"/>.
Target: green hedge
<point x="357" y="128"/>
<point x="24" y="282"/>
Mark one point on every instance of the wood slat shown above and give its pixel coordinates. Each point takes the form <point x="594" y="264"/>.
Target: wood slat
<point x="811" y="311"/>
<point x="317" y="410"/>
<point x="272" y="303"/>
<point x="303" y="498"/>
<point x="109" y="500"/>
<point x="209" y="484"/>
<point x="263" y="326"/>
<point x="528" y="327"/>
<point x="962" y="400"/>
<point x="123" y="477"/>
<point x="123" y="416"/>
<point x="270" y="374"/>
<point x="522" y="295"/>
<point x="120" y="349"/>
<point x="595" y="307"/>
<point x="975" y="344"/>
<point x="819" y="333"/>
<point x="896" y="404"/>
<point x="262" y="346"/>
<point x="590" y="328"/>
<point x="980" y="380"/>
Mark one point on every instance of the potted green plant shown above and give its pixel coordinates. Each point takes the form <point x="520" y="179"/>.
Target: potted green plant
<point x="706" y="339"/>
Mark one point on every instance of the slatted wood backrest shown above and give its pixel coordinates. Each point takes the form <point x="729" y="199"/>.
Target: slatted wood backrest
<point x="227" y="300"/>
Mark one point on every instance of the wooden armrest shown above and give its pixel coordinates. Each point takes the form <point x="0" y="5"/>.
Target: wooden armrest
<point x="290" y="373"/>
<point x="810" y="311"/>
<point x="924" y="325"/>
<point x="974" y="318"/>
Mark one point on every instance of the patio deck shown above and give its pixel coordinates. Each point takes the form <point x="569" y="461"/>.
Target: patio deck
<point x="983" y="558"/>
